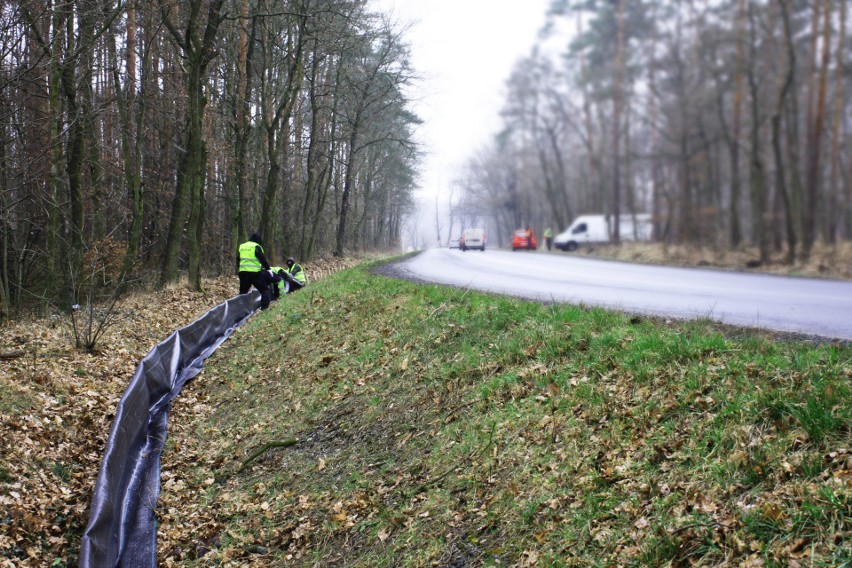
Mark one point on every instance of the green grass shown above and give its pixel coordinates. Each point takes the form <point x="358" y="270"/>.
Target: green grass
<point x="14" y="402"/>
<point x="440" y="426"/>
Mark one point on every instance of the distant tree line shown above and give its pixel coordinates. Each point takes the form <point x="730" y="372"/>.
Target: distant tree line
<point x="151" y="137"/>
<point x="728" y="120"/>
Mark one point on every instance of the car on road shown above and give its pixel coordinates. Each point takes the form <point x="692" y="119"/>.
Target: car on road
<point x="597" y="229"/>
<point x="454" y="243"/>
<point x="472" y="239"/>
<point x="524" y="239"/>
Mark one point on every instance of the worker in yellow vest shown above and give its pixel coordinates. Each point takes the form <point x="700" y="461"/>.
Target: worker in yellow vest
<point x="279" y="284"/>
<point x="295" y="275"/>
<point x="253" y="269"/>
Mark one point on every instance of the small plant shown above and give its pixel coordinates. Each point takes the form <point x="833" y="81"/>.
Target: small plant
<point x="99" y="284"/>
<point x="819" y="415"/>
<point x="61" y="471"/>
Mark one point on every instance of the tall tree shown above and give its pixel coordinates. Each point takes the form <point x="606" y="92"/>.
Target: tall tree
<point x="734" y="138"/>
<point x="816" y="125"/>
<point x="787" y="82"/>
<point x="281" y="87"/>
<point x="833" y="211"/>
<point x="373" y="79"/>
<point x="198" y="49"/>
<point x="130" y="117"/>
<point x="240" y="124"/>
<point x="757" y="169"/>
<point x="617" y="112"/>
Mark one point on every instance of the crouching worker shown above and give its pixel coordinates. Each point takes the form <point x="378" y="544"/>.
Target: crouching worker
<point x="252" y="268"/>
<point x="295" y="275"/>
<point x="278" y="282"/>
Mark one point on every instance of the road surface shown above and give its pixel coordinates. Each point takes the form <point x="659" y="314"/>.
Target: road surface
<point x="778" y="303"/>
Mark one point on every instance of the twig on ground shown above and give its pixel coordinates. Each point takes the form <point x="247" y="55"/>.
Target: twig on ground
<point x="9" y="355"/>
<point x="268" y="446"/>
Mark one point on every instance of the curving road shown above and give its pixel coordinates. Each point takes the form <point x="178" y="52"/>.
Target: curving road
<point x="778" y="303"/>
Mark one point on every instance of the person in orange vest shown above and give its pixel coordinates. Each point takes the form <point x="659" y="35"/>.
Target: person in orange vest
<point x="253" y="269"/>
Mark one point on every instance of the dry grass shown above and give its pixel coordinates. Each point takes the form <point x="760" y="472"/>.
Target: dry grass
<point x="827" y="261"/>
<point x="57" y="403"/>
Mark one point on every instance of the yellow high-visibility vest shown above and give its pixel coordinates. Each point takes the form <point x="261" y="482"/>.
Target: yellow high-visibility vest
<point x="281" y="284"/>
<point x="248" y="260"/>
<point x="298" y="273"/>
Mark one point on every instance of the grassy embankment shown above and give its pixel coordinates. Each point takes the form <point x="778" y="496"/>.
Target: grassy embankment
<point x="443" y="427"/>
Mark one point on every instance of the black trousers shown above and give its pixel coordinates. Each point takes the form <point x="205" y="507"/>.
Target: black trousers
<point x="275" y="286"/>
<point x="259" y="280"/>
<point x="294" y="284"/>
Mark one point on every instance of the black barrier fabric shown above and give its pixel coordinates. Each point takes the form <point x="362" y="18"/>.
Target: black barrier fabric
<point x="122" y="522"/>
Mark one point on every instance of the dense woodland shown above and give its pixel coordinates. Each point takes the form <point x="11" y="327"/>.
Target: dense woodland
<point x="728" y="120"/>
<point x="146" y="139"/>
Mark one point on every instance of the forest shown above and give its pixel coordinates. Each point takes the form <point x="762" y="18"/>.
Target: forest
<point x="142" y="141"/>
<point x="727" y="120"/>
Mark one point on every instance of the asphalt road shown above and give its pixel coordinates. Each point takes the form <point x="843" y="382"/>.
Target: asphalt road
<point x="778" y="303"/>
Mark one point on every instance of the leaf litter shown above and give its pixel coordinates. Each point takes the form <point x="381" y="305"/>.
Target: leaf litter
<point x="57" y="405"/>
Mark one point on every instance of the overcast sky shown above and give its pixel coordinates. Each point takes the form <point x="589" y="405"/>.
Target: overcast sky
<point x="464" y="51"/>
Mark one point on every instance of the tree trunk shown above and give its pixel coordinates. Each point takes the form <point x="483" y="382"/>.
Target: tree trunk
<point x="758" y="175"/>
<point x="322" y="154"/>
<point x="58" y="286"/>
<point x="277" y="129"/>
<point x="189" y="189"/>
<point x="5" y="208"/>
<point x="195" y="227"/>
<point x="245" y="52"/>
<point x="130" y="144"/>
<point x="618" y="102"/>
<point x="833" y="209"/>
<point x="270" y="192"/>
<point x="781" y="176"/>
<point x="654" y="112"/>
<point x="92" y="157"/>
<point x="191" y="153"/>
<point x="348" y="186"/>
<point x="596" y="184"/>
<point x="815" y="132"/>
<point x="739" y="87"/>
<point x="73" y="159"/>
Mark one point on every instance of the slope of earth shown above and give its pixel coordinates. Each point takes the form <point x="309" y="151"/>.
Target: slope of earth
<point x="56" y="409"/>
<point x="372" y="422"/>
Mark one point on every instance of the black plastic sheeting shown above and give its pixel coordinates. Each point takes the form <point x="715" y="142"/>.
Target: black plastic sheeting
<point x="122" y="523"/>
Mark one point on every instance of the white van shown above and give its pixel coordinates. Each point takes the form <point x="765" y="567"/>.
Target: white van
<point x="472" y="239"/>
<point x="589" y="229"/>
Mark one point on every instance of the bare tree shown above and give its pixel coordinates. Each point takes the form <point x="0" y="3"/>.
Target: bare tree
<point x="197" y="42"/>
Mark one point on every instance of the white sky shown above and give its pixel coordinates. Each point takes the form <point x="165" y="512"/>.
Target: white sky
<point x="464" y="51"/>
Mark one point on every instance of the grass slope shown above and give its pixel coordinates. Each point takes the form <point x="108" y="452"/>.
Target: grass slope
<point x="442" y="427"/>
